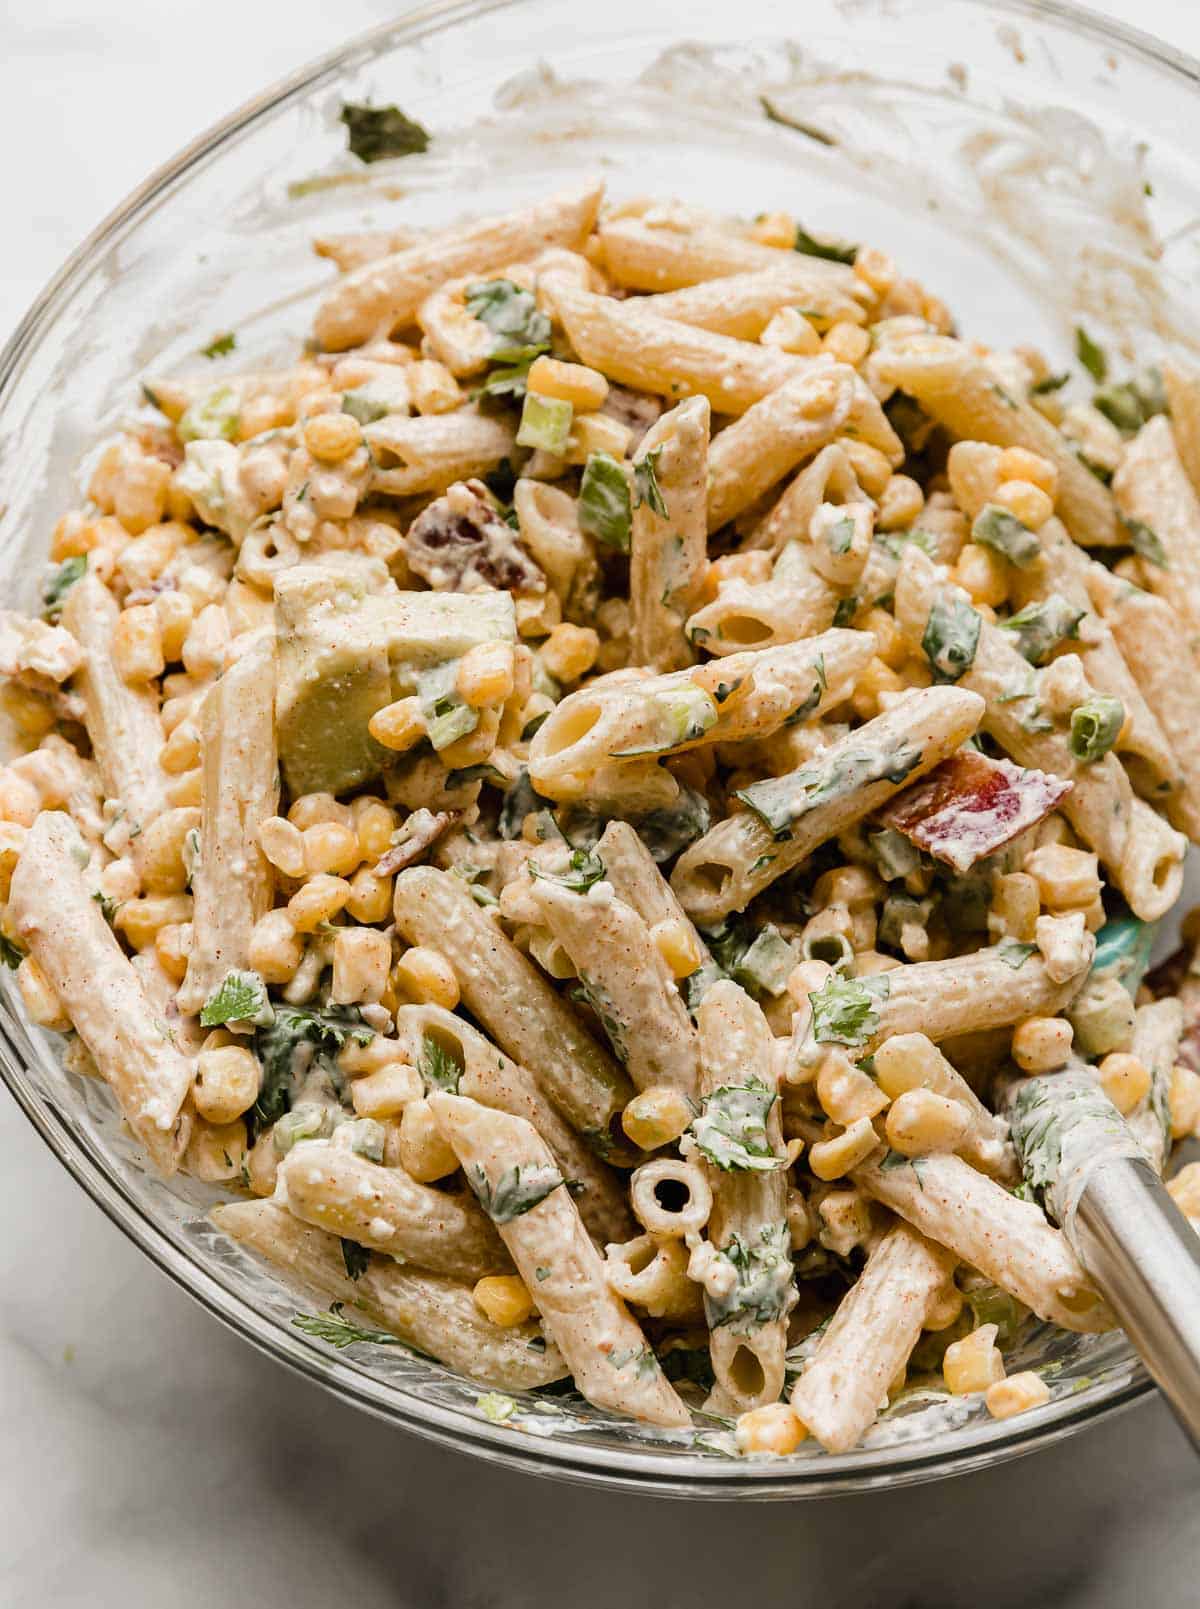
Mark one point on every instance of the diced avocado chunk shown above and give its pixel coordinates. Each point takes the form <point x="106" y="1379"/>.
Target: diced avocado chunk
<point x="349" y="643"/>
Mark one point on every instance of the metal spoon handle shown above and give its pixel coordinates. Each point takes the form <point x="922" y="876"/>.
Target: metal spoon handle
<point x="1145" y="1259"/>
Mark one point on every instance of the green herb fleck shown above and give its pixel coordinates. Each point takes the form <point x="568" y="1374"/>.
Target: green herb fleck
<point x="1095" y="727"/>
<point x="1090" y="355"/>
<point x="512" y="315"/>
<point x="517" y="1191"/>
<point x="833" y="251"/>
<point x="1004" y="533"/>
<point x="645" y="484"/>
<point x="240" y="997"/>
<point x="764" y="1284"/>
<point x="845" y="1011"/>
<point x="376" y="132"/>
<point x="1014" y="953"/>
<point x="731" y="1129"/>
<point x="438" y="1067"/>
<point x="605" y="506"/>
<point x="494" y="1405"/>
<point x="220" y="346"/>
<point x="583" y="870"/>
<point x="1145" y="542"/>
<point x="951" y="638"/>
<point x="1040" y="627"/>
<point x="337" y="1331"/>
<point x="774" y="115"/>
<point x="60" y="583"/>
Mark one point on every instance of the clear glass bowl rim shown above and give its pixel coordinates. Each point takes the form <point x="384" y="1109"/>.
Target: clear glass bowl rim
<point x="663" y="1475"/>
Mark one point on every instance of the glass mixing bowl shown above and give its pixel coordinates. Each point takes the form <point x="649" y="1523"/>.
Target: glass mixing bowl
<point x="1030" y="162"/>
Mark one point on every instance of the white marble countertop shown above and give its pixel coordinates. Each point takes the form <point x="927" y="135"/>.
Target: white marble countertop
<point x="151" y="1458"/>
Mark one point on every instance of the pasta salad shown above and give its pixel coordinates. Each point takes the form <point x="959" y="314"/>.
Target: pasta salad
<point x="598" y="803"/>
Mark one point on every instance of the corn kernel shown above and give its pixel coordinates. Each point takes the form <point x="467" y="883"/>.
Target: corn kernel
<point x="361" y="959"/>
<point x="425" y="1154"/>
<point x="846" y="1093"/>
<point x="427" y="976"/>
<point x="1184" y="1190"/>
<point x="944" y="1309"/>
<point x="596" y="433"/>
<point x="921" y="1121"/>
<point x="140" y="919"/>
<point x="162" y="850"/>
<point x="172" y="944"/>
<point x="677" y="942"/>
<point x="387" y="1091"/>
<point x="226" y="1084"/>
<point x="974" y="1363"/>
<point x="585" y="389"/>
<point x="656" y="1116"/>
<point x="331" y="847"/>
<point x="370" y="896"/>
<point x="569" y="652"/>
<point x="871" y="467"/>
<point x="375" y="822"/>
<point x="1015" y="907"/>
<point x="282" y="842"/>
<point x="20" y="801"/>
<point x="900" y="504"/>
<point x="1017" y="1394"/>
<point x="773" y="1428"/>
<point x="789" y="331"/>
<point x="398" y="726"/>
<point x="1042" y="1044"/>
<point x="1125" y="1080"/>
<point x="486" y="674"/>
<point x="1184" y="1102"/>
<point x="1028" y="502"/>
<point x="175" y="615"/>
<point x="1019" y="464"/>
<point x="503" y="1299"/>
<point x="831" y="1159"/>
<point x="774" y="229"/>
<point x="137" y="644"/>
<point x="847" y="343"/>
<point x="320" y="899"/>
<point x="311" y="808"/>
<point x="332" y="436"/>
<point x="181" y="752"/>
<point x="40" y="997"/>
<point x="217" y="1154"/>
<point x="186" y="792"/>
<point x="876" y="269"/>
<point x="432" y="387"/>
<point x="1067" y="879"/>
<point x="983" y="573"/>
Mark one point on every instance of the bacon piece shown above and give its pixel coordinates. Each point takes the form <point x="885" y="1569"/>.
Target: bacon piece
<point x="459" y="543"/>
<point x="970" y="806"/>
<point x="419" y="833"/>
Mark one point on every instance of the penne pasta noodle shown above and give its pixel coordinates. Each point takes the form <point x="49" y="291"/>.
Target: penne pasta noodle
<point x="752" y="695"/>
<point x="668" y="552"/>
<point x="794" y="814"/>
<point x="642" y="256"/>
<point x="384" y="294"/>
<point x="960" y="392"/>
<point x="491" y="1078"/>
<point x="672" y="360"/>
<point x="747" y="1227"/>
<point x="513" y="1001"/>
<point x="627" y="983"/>
<point x="742" y="305"/>
<point x="335" y="1189"/>
<point x="870" y="1338"/>
<point x="1152" y="487"/>
<point x="123" y="723"/>
<point x="431" y="453"/>
<point x="1005" y="1238"/>
<point x="791" y="423"/>
<point x="434" y="1314"/>
<point x="53" y="912"/>
<point x="232" y="884"/>
<point x="509" y="1166"/>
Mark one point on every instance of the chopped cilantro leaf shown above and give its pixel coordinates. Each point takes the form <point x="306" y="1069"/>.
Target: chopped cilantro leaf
<point x="517" y="1191"/>
<point x="951" y="638"/>
<point x="1090" y="355"/>
<point x="220" y="346"/>
<point x="845" y="1011"/>
<point x="731" y="1129"/>
<point x="356" y="1258"/>
<point x="376" y="132"/>
<point x="60" y="583"/>
<point x="240" y="997"/>
<point x="645" y="484"/>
